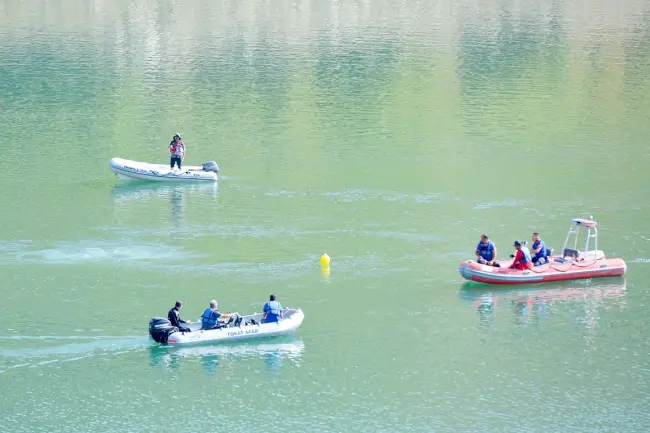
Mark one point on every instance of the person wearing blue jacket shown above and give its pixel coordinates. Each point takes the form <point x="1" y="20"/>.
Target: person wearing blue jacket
<point x="272" y="311"/>
<point x="486" y="252"/>
<point x="539" y="250"/>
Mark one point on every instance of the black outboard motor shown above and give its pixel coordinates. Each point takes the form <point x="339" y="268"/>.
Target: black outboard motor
<point x="211" y="166"/>
<point x="160" y="328"/>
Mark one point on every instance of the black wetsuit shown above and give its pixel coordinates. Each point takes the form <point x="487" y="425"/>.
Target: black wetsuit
<point x="175" y="319"/>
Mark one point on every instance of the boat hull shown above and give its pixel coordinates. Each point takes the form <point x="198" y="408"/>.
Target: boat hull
<point x="244" y="332"/>
<point x="159" y="172"/>
<point x="553" y="271"/>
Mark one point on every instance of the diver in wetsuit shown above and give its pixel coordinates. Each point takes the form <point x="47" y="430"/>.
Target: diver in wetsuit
<point x="175" y="318"/>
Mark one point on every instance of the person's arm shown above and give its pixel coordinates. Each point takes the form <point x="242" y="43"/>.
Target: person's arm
<point x="518" y="256"/>
<point x="281" y="313"/>
<point x="494" y="253"/>
<point x="264" y="310"/>
<point x="227" y="315"/>
<point x="178" y="315"/>
<point x="534" y="251"/>
<point x="184" y="151"/>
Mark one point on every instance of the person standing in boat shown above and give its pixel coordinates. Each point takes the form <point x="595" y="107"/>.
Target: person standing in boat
<point x="486" y="252"/>
<point x="177" y="150"/>
<point x="538" y="250"/>
<point x="272" y="311"/>
<point x="522" y="260"/>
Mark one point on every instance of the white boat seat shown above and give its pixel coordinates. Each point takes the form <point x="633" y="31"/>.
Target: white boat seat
<point x="570" y="254"/>
<point x="593" y="255"/>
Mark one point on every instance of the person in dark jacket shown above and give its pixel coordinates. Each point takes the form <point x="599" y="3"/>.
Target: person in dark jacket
<point x="175" y="317"/>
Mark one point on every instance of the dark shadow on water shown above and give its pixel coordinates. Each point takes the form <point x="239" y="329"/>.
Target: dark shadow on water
<point x="274" y="352"/>
<point x="534" y="301"/>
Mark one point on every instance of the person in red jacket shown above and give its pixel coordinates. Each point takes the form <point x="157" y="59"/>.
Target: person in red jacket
<point x="522" y="260"/>
<point x="177" y="150"/>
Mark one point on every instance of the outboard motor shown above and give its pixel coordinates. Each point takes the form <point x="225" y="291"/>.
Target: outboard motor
<point x="211" y="166"/>
<point x="160" y="328"/>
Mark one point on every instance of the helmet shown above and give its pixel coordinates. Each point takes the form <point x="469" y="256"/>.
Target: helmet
<point x="177" y="135"/>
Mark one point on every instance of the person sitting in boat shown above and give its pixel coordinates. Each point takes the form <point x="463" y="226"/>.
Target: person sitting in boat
<point x="486" y="252"/>
<point x="211" y="316"/>
<point x="175" y="318"/>
<point x="522" y="259"/>
<point x="177" y="150"/>
<point x="272" y="310"/>
<point x="538" y="250"/>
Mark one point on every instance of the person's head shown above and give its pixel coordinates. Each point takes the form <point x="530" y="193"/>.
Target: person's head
<point x="213" y="304"/>
<point x="179" y="305"/>
<point x="535" y="237"/>
<point x="484" y="239"/>
<point x="177" y="137"/>
<point x="272" y="298"/>
<point x="517" y="245"/>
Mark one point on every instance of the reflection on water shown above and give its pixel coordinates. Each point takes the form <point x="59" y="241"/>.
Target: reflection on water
<point x="529" y="304"/>
<point x="212" y="357"/>
<point x="135" y="191"/>
<point x="128" y="192"/>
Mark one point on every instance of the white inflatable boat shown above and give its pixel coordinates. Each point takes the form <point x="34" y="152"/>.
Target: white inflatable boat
<point x="237" y="328"/>
<point x="163" y="173"/>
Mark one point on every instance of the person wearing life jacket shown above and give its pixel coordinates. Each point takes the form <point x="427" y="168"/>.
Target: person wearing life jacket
<point x="486" y="252"/>
<point x="522" y="260"/>
<point x="211" y="315"/>
<point x="272" y="311"/>
<point x="177" y="150"/>
<point x="539" y="250"/>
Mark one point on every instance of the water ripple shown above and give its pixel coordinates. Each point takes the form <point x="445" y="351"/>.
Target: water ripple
<point x="66" y="253"/>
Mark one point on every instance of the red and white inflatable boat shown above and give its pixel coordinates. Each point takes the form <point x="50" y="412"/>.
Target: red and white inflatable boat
<point x="571" y="265"/>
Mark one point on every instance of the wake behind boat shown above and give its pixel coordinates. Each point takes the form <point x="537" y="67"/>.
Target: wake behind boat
<point x="162" y="172"/>
<point x="237" y="328"/>
<point x="572" y="264"/>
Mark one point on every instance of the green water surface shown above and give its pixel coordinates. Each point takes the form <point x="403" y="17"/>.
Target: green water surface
<point x="389" y="135"/>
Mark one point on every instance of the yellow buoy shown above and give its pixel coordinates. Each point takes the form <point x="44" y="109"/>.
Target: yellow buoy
<point x="325" y="260"/>
<point x="325" y="270"/>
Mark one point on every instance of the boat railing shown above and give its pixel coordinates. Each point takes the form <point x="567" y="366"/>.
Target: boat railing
<point x="592" y="233"/>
